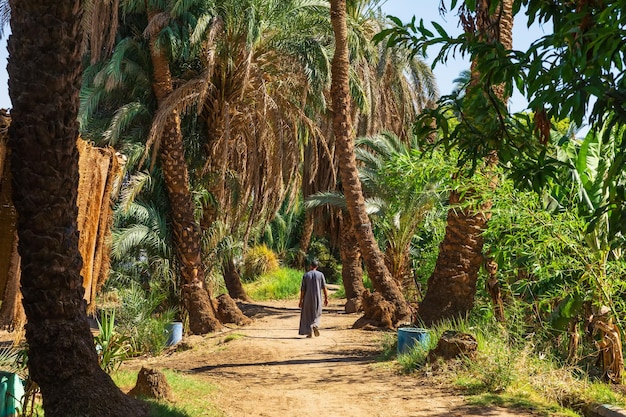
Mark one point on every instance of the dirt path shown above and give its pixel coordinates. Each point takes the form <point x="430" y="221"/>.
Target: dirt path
<point x="266" y="369"/>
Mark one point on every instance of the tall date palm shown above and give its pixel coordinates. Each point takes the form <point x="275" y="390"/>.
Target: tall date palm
<point x="452" y="285"/>
<point x="342" y="128"/>
<point x="44" y="80"/>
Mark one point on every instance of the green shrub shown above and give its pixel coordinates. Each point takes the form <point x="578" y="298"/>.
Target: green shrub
<point x="142" y="320"/>
<point x="112" y="347"/>
<point x="257" y="261"/>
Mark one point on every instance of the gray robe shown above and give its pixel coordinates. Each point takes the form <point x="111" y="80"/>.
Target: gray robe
<point x="312" y="284"/>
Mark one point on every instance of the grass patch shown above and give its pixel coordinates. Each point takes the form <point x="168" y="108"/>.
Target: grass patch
<point x="231" y="337"/>
<point x="282" y="284"/>
<point x="191" y="395"/>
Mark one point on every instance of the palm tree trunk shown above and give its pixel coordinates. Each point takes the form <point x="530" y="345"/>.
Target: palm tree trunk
<point x="305" y="239"/>
<point x="351" y="271"/>
<point x="232" y="280"/>
<point x="452" y="285"/>
<point x="187" y="235"/>
<point x="44" y="80"/>
<point x="340" y="93"/>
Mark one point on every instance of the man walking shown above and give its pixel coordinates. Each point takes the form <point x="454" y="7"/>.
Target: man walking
<point x="313" y="283"/>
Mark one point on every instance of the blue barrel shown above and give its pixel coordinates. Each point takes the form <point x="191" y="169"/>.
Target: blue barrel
<point x="409" y="336"/>
<point x="174" y="333"/>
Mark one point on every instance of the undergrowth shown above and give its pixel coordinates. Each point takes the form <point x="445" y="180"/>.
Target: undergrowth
<point x="508" y="371"/>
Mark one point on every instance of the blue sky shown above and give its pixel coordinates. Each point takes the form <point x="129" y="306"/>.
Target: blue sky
<point x="428" y="11"/>
<point x="405" y="10"/>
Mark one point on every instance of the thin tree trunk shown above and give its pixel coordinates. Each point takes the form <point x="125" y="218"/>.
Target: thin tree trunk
<point x="493" y="288"/>
<point x="305" y="239"/>
<point x="340" y="93"/>
<point x="44" y="80"/>
<point x="232" y="280"/>
<point x="187" y="235"/>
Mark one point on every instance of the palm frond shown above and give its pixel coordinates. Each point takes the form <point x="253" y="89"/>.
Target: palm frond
<point x="132" y="188"/>
<point x="123" y="118"/>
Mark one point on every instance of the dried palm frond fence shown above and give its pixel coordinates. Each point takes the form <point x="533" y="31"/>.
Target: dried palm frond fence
<point x="100" y="175"/>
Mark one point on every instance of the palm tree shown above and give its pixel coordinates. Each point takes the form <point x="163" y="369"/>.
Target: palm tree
<point x="342" y="128"/>
<point x="400" y="187"/>
<point x="186" y="230"/>
<point x="404" y="186"/>
<point x="452" y="285"/>
<point x="44" y="81"/>
<point x="267" y="76"/>
<point x="169" y="148"/>
<point x="389" y="87"/>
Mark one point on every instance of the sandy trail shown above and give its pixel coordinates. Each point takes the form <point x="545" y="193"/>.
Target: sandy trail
<point x="266" y="369"/>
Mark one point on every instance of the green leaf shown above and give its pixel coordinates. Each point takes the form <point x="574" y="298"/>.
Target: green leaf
<point x="440" y="30"/>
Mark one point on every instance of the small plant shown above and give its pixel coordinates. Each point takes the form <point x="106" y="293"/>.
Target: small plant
<point x="112" y="347"/>
<point x="492" y="370"/>
<point x="257" y="261"/>
<point x="143" y="320"/>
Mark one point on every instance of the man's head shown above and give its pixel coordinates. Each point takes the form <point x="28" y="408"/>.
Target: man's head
<point x="314" y="264"/>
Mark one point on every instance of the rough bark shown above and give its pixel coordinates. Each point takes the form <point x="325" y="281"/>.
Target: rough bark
<point x="187" y="235"/>
<point x="452" y="285"/>
<point x="342" y="128"/>
<point x="232" y="280"/>
<point x="44" y="80"/>
<point x="351" y="271"/>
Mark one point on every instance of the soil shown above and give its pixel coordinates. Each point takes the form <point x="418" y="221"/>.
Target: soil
<point x="265" y="369"/>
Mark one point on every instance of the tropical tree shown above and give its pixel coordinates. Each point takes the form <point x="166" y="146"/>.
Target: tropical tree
<point x="44" y="81"/>
<point x="452" y="285"/>
<point x="389" y="87"/>
<point x="401" y="186"/>
<point x="404" y="185"/>
<point x="262" y="72"/>
<point x="384" y="283"/>
<point x="185" y="228"/>
<point x="162" y="26"/>
<point x="573" y="72"/>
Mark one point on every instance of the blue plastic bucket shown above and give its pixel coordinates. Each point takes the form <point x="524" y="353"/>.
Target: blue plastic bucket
<point x="174" y="333"/>
<point x="409" y="336"/>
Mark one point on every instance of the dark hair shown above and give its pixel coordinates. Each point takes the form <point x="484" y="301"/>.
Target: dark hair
<point x="315" y="263"/>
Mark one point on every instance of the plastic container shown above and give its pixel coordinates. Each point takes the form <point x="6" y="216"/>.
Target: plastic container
<point x="410" y="336"/>
<point x="11" y="394"/>
<point x="174" y="333"/>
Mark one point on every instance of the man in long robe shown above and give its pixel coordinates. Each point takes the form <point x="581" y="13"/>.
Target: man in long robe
<point x="313" y="283"/>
